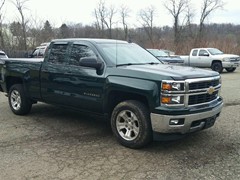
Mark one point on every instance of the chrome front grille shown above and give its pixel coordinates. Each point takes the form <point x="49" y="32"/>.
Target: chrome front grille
<point x="194" y="92"/>
<point x="234" y="59"/>
<point x="202" y="98"/>
<point x="202" y="91"/>
<point x="202" y="85"/>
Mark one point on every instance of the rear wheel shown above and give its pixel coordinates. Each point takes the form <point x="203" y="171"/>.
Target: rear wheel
<point x="232" y="69"/>
<point x="217" y="66"/>
<point x="19" y="103"/>
<point x="131" y="125"/>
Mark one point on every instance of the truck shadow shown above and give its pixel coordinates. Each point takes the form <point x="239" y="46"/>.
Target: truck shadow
<point x="71" y="127"/>
<point x="69" y="122"/>
<point x="193" y="151"/>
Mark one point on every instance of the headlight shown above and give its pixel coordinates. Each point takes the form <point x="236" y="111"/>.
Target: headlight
<point x="172" y="100"/>
<point x="172" y="93"/>
<point x="226" y="59"/>
<point x="172" y="86"/>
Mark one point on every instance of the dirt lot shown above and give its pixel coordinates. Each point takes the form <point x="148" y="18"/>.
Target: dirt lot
<point x="52" y="143"/>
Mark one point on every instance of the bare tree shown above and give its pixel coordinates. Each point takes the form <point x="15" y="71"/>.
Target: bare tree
<point x="100" y="15"/>
<point x="20" y="5"/>
<point x="146" y="17"/>
<point x="189" y="15"/>
<point x="176" y="8"/>
<point x="104" y="17"/>
<point x="2" y="45"/>
<point x="35" y="28"/>
<point x="124" y="12"/>
<point x="208" y="7"/>
<point x="189" y="18"/>
<point x="109" y="21"/>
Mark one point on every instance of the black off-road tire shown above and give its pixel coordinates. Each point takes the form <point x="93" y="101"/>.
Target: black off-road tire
<point x="19" y="103"/>
<point x="141" y="113"/>
<point x="232" y="69"/>
<point x="217" y="66"/>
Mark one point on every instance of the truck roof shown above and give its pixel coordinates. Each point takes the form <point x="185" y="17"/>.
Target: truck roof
<point x="93" y="40"/>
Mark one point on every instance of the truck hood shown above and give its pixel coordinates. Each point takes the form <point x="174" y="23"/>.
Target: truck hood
<point x="171" y="59"/>
<point x="219" y="56"/>
<point x="165" y="71"/>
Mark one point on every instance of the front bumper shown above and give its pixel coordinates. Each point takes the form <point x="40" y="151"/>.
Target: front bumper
<point x="191" y="122"/>
<point x="230" y="64"/>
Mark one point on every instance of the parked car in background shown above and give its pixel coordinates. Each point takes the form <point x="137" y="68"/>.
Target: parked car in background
<point x="39" y="51"/>
<point x="212" y="58"/>
<point x="165" y="58"/>
<point x="3" y="54"/>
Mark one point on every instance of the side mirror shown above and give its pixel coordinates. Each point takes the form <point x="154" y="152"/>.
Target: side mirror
<point x="205" y="54"/>
<point x="92" y="62"/>
<point x="30" y="55"/>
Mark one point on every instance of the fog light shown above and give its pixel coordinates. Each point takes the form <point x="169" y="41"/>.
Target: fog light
<point x="176" y="121"/>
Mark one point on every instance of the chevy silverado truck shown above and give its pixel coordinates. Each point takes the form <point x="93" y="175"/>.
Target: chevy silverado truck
<point x="212" y="58"/>
<point x="120" y="81"/>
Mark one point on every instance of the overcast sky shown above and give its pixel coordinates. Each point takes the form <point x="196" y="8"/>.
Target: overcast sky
<point x="81" y="11"/>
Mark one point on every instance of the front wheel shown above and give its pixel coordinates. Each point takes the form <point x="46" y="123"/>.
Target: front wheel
<point x="131" y="125"/>
<point x="217" y="66"/>
<point x="19" y="103"/>
<point x="232" y="69"/>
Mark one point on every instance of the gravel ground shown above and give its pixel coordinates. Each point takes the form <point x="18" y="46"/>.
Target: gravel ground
<point x="52" y="143"/>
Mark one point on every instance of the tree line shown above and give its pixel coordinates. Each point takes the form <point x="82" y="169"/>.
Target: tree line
<point x="25" y="34"/>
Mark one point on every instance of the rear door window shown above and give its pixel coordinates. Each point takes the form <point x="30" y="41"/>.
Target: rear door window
<point x="194" y="53"/>
<point x="58" y="54"/>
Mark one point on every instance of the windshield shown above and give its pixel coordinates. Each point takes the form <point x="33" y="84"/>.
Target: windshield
<point x="214" y="51"/>
<point x="2" y="55"/>
<point x="157" y="53"/>
<point x="128" y="54"/>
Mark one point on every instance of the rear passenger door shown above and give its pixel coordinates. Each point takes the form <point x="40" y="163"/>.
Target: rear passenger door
<point x="194" y="59"/>
<point x="53" y="74"/>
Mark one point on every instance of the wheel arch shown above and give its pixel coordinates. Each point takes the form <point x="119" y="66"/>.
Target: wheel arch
<point x="117" y="96"/>
<point x="214" y="61"/>
<point x="10" y="81"/>
<point x="217" y="66"/>
<point x="120" y="89"/>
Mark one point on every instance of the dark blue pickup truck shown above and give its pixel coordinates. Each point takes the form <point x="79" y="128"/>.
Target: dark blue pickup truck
<point x="119" y="81"/>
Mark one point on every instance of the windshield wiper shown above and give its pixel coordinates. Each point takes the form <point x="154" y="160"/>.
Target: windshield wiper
<point x="130" y="64"/>
<point x="127" y="64"/>
<point x="152" y="63"/>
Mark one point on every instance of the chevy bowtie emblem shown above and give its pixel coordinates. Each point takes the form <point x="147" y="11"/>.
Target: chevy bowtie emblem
<point x="210" y="90"/>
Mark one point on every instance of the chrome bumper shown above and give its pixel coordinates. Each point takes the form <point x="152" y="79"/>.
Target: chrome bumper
<point x="230" y="64"/>
<point x="160" y="123"/>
